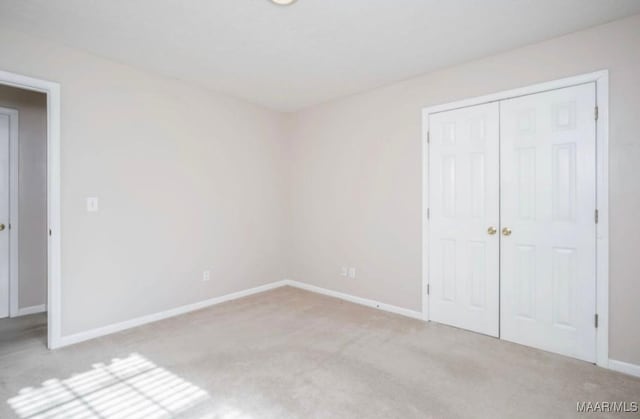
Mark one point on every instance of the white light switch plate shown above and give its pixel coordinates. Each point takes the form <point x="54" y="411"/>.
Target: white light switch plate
<point x="352" y="273"/>
<point x="92" y="204"/>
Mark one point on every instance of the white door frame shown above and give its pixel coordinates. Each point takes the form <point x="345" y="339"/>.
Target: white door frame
<point x="52" y="90"/>
<point x="601" y="78"/>
<point x="12" y="225"/>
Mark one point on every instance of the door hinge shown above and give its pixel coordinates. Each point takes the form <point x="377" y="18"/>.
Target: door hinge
<point x="596" y="216"/>
<point x="49" y="232"/>
<point x="596" y="321"/>
<point x="428" y="289"/>
<point x="428" y="214"/>
<point x="428" y="137"/>
<point x="596" y="113"/>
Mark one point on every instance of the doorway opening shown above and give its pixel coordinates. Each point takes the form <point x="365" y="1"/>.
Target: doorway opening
<point x="23" y="218"/>
<point x="29" y="212"/>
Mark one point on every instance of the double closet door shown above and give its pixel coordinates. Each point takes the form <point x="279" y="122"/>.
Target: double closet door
<point x="512" y="234"/>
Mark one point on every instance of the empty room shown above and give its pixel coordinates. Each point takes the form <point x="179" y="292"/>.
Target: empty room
<point x="250" y="209"/>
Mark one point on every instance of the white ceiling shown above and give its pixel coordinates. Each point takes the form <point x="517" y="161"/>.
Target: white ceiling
<point x="287" y="58"/>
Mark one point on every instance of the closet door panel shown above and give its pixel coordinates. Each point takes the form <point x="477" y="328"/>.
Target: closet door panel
<point x="463" y="199"/>
<point x="548" y="202"/>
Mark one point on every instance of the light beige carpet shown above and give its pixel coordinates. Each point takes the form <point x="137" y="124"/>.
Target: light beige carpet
<point x="21" y="333"/>
<point x="290" y="353"/>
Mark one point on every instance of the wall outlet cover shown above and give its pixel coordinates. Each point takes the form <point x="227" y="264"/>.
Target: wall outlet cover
<point x="92" y="204"/>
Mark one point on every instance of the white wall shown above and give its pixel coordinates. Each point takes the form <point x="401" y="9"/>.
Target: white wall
<point x="187" y="179"/>
<point x="356" y="172"/>
<point x="32" y="181"/>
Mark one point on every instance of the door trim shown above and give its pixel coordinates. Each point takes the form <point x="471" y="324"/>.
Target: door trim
<point x="601" y="79"/>
<point x="13" y="226"/>
<point x="54" y="274"/>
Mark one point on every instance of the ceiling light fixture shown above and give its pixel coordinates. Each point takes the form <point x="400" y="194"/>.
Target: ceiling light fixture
<point x="283" y="2"/>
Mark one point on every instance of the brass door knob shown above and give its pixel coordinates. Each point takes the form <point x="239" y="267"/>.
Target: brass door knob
<point x="506" y="231"/>
<point x="492" y="230"/>
<point x="1" y="227"/>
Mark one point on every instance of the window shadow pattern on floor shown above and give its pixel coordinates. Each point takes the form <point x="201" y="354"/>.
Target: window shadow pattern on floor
<point x="133" y="387"/>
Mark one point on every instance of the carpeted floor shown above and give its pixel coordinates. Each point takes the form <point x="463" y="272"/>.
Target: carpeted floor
<point x="22" y="333"/>
<point x="290" y="353"/>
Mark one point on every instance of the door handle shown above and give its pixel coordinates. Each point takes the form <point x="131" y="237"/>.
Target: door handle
<point x="2" y="227"/>
<point x="506" y="231"/>
<point x="492" y="230"/>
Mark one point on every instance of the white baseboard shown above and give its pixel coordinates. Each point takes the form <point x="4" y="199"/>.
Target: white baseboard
<point x="31" y="310"/>
<point x="358" y="300"/>
<point x="619" y="366"/>
<point x="139" y="321"/>
<point x="624" y="367"/>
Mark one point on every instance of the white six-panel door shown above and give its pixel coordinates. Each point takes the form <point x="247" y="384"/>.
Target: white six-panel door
<point x="4" y="215"/>
<point x="525" y="166"/>
<point x="548" y="202"/>
<point x="464" y="204"/>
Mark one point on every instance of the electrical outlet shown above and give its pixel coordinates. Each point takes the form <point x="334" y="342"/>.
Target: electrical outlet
<point x="352" y="273"/>
<point x="206" y="275"/>
<point x="344" y="271"/>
